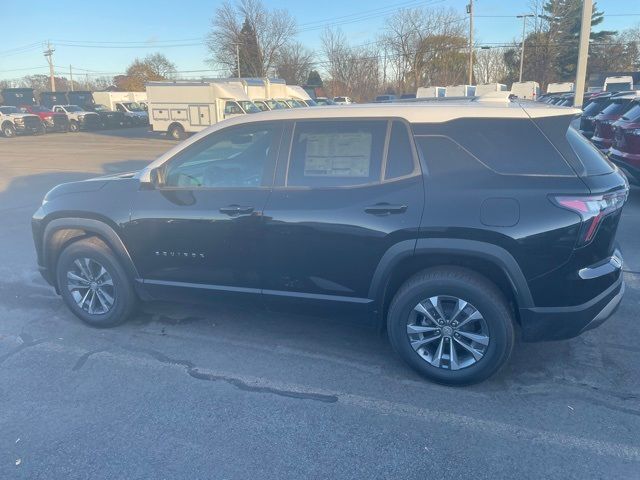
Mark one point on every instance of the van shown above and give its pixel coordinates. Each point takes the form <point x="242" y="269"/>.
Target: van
<point x="526" y="90"/>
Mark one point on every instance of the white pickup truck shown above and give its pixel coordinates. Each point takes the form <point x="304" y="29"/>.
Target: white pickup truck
<point x="79" y="119"/>
<point x="13" y="122"/>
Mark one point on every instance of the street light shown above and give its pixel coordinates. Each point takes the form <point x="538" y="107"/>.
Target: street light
<point x="524" y="24"/>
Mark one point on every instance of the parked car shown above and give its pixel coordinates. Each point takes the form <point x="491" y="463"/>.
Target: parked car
<point x="625" y="148"/>
<point x="79" y="119"/>
<point x="447" y="226"/>
<point x="13" y="122"/>
<point x="51" y="121"/>
<point x="385" y="98"/>
<point x="109" y="118"/>
<point x="589" y="113"/>
<point x="603" y="131"/>
<point x="323" y="101"/>
<point x="342" y="100"/>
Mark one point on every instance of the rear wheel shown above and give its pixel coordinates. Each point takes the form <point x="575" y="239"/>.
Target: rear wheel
<point x="93" y="284"/>
<point x="176" y="132"/>
<point x="73" y="126"/>
<point x="451" y="325"/>
<point x="8" y="130"/>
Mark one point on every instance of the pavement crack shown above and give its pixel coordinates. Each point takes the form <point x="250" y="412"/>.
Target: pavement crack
<point x="240" y="384"/>
<point x="27" y="341"/>
<point x="83" y="359"/>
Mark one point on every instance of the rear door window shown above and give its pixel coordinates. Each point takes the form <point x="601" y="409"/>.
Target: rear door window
<point x="617" y="107"/>
<point x="633" y="114"/>
<point x="593" y="161"/>
<point x="336" y="153"/>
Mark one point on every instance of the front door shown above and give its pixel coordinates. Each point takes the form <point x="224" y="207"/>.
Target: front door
<point x="201" y="226"/>
<point x="340" y="202"/>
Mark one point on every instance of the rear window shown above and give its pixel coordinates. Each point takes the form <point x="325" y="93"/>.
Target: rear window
<point x="506" y="146"/>
<point x="594" y="162"/>
<point x="617" y="107"/>
<point x="633" y="114"/>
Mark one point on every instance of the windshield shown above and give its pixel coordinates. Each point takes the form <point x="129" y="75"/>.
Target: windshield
<point x="633" y="114"/>
<point x="618" y="86"/>
<point x="133" y="107"/>
<point x="595" y="107"/>
<point x="39" y="109"/>
<point x="339" y="99"/>
<point x="261" y="105"/>
<point x="7" y="110"/>
<point x="617" y="107"/>
<point x="273" y="105"/>
<point x="311" y="103"/>
<point x="72" y="108"/>
<point x="100" y="108"/>
<point x="295" y="103"/>
<point x="283" y="104"/>
<point x="249" y="107"/>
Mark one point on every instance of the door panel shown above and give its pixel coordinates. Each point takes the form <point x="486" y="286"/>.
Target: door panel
<point x="194" y="116"/>
<point x="332" y="220"/>
<point x="204" y="115"/>
<point x="203" y="225"/>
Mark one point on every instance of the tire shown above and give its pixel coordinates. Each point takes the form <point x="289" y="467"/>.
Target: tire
<point x="8" y="130"/>
<point x="176" y="132"/>
<point x="92" y="310"/>
<point x="73" y="126"/>
<point x="450" y="284"/>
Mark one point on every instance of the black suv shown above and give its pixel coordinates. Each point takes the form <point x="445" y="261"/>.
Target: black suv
<point x="451" y="224"/>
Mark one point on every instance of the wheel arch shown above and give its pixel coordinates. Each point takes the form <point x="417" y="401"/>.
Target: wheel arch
<point x="406" y="258"/>
<point x="61" y="232"/>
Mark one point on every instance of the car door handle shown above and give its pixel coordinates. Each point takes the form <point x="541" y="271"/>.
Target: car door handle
<point x="235" y="210"/>
<point x="385" y="209"/>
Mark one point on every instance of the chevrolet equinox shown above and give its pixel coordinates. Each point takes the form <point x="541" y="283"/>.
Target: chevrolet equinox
<point x="453" y="225"/>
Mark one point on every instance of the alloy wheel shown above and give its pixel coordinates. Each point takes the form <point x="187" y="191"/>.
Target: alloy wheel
<point x="448" y="332"/>
<point x="91" y="286"/>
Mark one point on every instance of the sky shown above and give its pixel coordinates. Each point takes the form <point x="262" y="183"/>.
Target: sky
<point x="122" y="30"/>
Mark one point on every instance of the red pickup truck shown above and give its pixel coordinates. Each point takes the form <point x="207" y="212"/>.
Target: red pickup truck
<point x="51" y="121"/>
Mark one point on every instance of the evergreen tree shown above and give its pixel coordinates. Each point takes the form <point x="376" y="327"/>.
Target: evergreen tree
<point x="314" y="79"/>
<point x="250" y="56"/>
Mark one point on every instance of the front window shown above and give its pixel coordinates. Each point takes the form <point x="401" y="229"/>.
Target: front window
<point x="8" y="110"/>
<point x="100" y="108"/>
<point x="340" y="99"/>
<point x="261" y="105"/>
<point x="40" y="109"/>
<point x="232" y="158"/>
<point x="133" y="107"/>
<point x="283" y="104"/>
<point x="232" y="108"/>
<point x="311" y="103"/>
<point x="618" y="87"/>
<point x="249" y="107"/>
<point x="73" y="108"/>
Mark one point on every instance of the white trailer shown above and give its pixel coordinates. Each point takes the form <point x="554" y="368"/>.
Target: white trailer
<point x="526" y="90"/>
<point x="182" y="107"/>
<point x="618" y="84"/>
<point x="484" y="88"/>
<point x="125" y="102"/>
<point x="561" y="87"/>
<point x="431" y="92"/>
<point x="461" y="90"/>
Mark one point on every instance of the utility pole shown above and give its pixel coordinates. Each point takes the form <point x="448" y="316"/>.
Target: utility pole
<point x="470" y="12"/>
<point x="583" y="52"/>
<point x="48" y="53"/>
<point x="524" y="25"/>
<point x="237" y="44"/>
<point x="71" y="77"/>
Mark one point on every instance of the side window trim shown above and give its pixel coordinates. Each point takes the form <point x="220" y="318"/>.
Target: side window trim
<point x="270" y="165"/>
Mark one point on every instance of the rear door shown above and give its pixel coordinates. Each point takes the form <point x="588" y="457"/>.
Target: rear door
<point x="346" y="191"/>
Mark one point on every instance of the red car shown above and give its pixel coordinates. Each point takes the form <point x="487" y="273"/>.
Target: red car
<point x="52" y="122"/>
<point x="603" y="131"/>
<point x="625" y="150"/>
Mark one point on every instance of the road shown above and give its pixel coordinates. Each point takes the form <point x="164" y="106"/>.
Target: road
<point x="236" y="392"/>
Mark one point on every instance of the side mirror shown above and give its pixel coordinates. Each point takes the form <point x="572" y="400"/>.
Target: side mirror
<point x="155" y="176"/>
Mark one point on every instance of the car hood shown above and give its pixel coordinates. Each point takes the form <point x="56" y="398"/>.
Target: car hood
<point x="88" y="185"/>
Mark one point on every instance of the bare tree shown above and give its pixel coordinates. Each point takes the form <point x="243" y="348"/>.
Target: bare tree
<point x="490" y="66"/>
<point x="273" y="30"/>
<point x="352" y="71"/>
<point x="425" y="47"/>
<point x="293" y="63"/>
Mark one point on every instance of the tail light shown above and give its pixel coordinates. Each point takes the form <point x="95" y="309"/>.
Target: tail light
<point x="592" y="209"/>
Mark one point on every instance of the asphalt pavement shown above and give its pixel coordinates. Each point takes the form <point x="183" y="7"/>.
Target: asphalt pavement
<point x="237" y="392"/>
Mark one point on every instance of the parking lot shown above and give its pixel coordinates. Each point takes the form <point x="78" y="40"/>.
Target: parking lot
<point x="239" y="392"/>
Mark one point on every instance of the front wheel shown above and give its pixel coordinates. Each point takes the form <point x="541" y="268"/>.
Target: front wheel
<point x="451" y="325"/>
<point x="93" y="284"/>
<point x="73" y="126"/>
<point x="8" y="130"/>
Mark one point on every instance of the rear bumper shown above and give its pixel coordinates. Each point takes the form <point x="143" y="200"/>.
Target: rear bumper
<point x="558" y="323"/>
